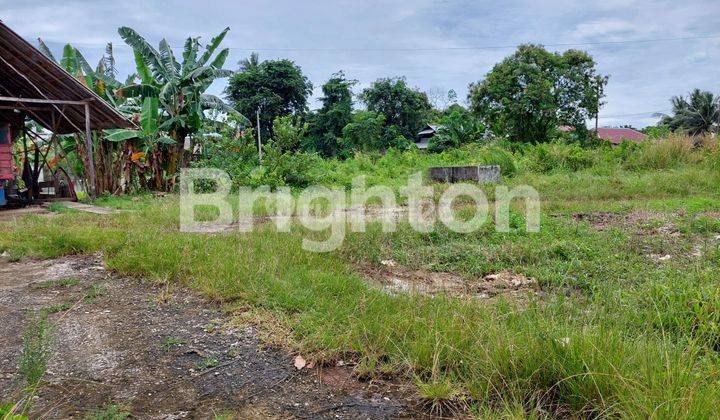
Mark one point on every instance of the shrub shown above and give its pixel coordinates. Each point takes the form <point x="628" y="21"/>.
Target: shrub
<point x="556" y="156"/>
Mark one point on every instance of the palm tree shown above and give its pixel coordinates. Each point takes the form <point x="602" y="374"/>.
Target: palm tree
<point x="250" y="63"/>
<point x="697" y="115"/>
<point x="173" y="97"/>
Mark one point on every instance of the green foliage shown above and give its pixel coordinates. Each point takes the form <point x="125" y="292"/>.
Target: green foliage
<point x="8" y="412"/>
<point x="111" y="412"/>
<point x="173" y="99"/>
<point x="364" y="133"/>
<point x="406" y="108"/>
<point x="329" y="122"/>
<point x="697" y="115"/>
<point x="556" y="156"/>
<point x="37" y="343"/>
<point x="276" y="87"/>
<point x="663" y="154"/>
<point x="457" y="127"/>
<point x="527" y="95"/>
<point x="288" y="132"/>
<point x="656" y="131"/>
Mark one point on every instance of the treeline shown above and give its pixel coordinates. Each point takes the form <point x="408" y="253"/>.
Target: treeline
<point x="525" y="98"/>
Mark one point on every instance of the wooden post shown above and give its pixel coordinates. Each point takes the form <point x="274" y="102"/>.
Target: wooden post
<point x="89" y="152"/>
<point x="257" y="114"/>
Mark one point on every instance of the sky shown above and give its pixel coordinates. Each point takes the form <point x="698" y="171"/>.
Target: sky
<point x="651" y="50"/>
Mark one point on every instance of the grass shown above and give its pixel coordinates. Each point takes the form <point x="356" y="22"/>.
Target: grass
<point x="171" y="342"/>
<point x="111" y="412"/>
<point x="67" y="282"/>
<point x="60" y="307"/>
<point x="94" y="292"/>
<point x="32" y="365"/>
<point x="60" y="208"/>
<point x="207" y="363"/>
<point x="616" y="333"/>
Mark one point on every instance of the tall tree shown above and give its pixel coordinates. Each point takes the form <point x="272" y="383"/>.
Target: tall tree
<point x="402" y="106"/>
<point x="274" y="87"/>
<point x="530" y="93"/>
<point x="697" y="115"/>
<point x="333" y="116"/>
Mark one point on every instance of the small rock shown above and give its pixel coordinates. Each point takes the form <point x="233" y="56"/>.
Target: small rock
<point x="665" y="258"/>
<point x="300" y="362"/>
<point x="389" y="263"/>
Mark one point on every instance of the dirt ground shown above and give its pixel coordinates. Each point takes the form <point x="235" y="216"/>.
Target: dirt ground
<point x="396" y="279"/>
<point x="163" y="354"/>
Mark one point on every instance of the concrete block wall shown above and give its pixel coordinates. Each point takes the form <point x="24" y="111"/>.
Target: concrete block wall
<point x="483" y="174"/>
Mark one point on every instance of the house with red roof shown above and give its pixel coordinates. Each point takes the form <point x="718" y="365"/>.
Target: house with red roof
<point x="618" y="135"/>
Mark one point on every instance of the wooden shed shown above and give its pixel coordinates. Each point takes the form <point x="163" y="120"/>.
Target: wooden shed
<point x="33" y="86"/>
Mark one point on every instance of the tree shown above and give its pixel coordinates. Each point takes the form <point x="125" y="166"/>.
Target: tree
<point x="288" y="131"/>
<point x="457" y="127"/>
<point x="530" y="93"/>
<point x="173" y="98"/>
<point x="364" y="133"/>
<point x="275" y="87"/>
<point x="403" y="107"/>
<point x="335" y="114"/>
<point x="250" y="62"/>
<point x="697" y="115"/>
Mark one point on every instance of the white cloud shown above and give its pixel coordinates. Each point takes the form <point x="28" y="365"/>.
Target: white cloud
<point x="605" y="29"/>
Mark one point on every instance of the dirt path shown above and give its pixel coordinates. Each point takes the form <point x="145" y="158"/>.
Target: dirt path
<point x="162" y="354"/>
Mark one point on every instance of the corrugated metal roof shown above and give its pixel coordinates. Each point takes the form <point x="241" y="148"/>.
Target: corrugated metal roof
<point x="617" y="135"/>
<point x="26" y="73"/>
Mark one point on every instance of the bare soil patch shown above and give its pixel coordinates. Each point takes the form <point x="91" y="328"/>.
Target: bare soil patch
<point x="8" y="215"/>
<point x="163" y="353"/>
<point x="639" y="221"/>
<point x="396" y="279"/>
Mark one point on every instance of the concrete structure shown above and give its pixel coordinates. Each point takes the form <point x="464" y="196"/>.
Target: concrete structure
<point x="489" y="174"/>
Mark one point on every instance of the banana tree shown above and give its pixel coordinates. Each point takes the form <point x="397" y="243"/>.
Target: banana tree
<point x="112" y="159"/>
<point x="173" y="99"/>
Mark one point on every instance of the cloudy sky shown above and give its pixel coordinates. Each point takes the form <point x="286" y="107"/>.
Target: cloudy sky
<point x="651" y="49"/>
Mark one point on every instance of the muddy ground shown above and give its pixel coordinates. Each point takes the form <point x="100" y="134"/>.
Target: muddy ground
<point x="163" y="354"/>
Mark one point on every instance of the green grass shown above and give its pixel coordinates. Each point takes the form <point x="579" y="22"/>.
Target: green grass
<point x="170" y="342"/>
<point x="111" y="412"/>
<point x="67" y="282"/>
<point x="94" y="292"/>
<point x="615" y="333"/>
<point x="60" y="208"/>
<point x="207" y="363"/>
<point x="60" y="307"/>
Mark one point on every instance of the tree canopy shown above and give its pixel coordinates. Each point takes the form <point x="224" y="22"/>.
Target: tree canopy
<point x="333" y="116"/>
<point x="276" y="87"/>
<point x="403" y="107"/>
<point x="530" y="93"/>
<point x="698" y="114"/>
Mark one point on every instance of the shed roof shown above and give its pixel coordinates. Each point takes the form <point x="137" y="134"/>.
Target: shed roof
<point x="42" y="85"/>
<point x="428" y="131"/>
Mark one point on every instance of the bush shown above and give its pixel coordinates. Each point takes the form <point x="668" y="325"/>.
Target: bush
<point x="556" y="156"/>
